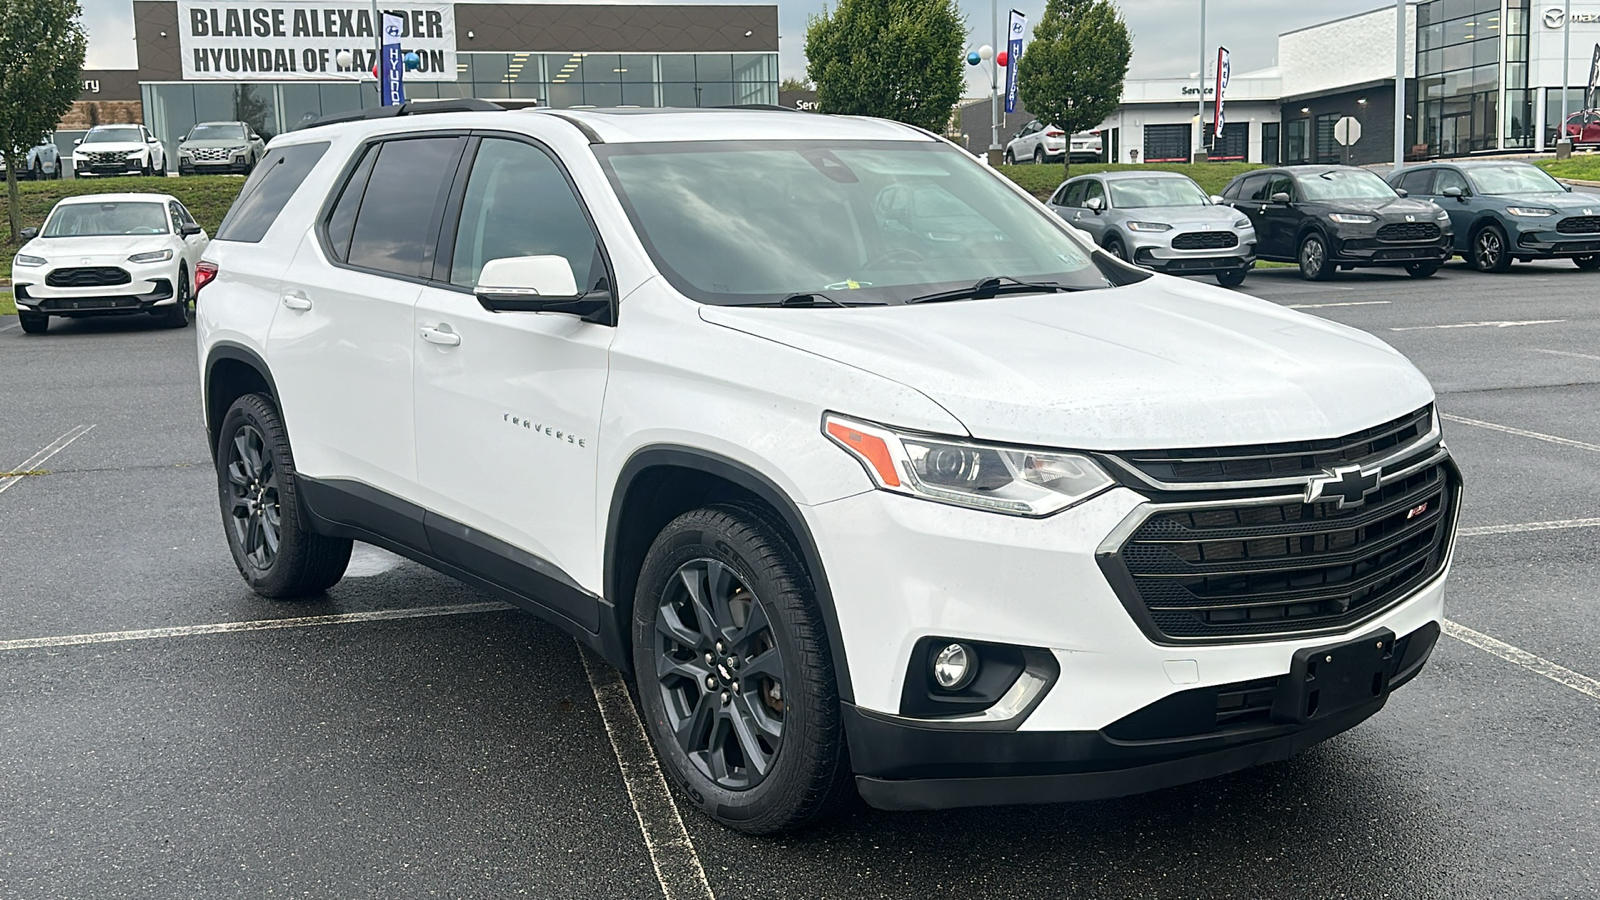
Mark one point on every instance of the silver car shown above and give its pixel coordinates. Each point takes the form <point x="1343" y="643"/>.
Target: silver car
<point x="1162" y="221"/>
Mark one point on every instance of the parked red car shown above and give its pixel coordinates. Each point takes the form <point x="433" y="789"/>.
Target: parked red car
<point x="1583" y="127"/>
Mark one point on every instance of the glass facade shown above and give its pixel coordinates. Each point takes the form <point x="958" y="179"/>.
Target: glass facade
<point x="560" y="80"/>
<point x="1472" y="76"/>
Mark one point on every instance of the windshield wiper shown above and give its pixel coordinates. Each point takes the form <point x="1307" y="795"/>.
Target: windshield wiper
<point x="812" y="300"/>
<point x="993" y="287"/>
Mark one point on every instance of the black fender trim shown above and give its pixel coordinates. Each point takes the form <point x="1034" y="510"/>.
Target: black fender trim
<point x="350" y="509"/>
<point x="237" y="352"/>
<point x="620" y="609"/>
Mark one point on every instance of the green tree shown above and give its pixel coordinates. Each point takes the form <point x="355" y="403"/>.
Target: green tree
<point x="895" y="59"/>
<point x="1071" y="73"/>
<point x="41" y="59"/>
<point x="794" y="84"/>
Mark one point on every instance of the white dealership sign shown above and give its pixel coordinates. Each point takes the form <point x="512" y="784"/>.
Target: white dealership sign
<point x="300" y="40"/>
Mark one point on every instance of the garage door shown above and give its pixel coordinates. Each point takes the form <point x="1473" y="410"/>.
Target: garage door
<point x="1166" y="143"/>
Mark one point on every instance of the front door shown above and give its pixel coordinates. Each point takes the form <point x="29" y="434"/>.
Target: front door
<point x="508" y="403"/>
<point x="1279" y="228"/>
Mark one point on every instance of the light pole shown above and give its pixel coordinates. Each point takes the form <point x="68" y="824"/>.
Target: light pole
<point x="994" y="83"/>
<point x="1564" y="144"/>
<point x="1400" y="84"/>
<point x="1200" y="106"/>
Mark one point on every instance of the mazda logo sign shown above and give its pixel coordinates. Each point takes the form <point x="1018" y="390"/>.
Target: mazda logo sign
<point x="1554" y="18"/>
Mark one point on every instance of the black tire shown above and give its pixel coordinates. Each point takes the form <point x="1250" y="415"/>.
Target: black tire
<point x="1115" y="248"/>
<point x="1313" y="257"/>
<point x="1587" y="263"/>
<point x="1232" y="279"/>
<point x="146" y="169"/>
<point x="38" y="171"/>
<point x="177" y="315"/>
<point x="1038" y="156"/>
<point x="796" y="771"/>
<point x="1009" y="159"/>
<point x="260" y="501"/>
<point x="33" y="323"/>
<point x="1487" y="251"/>
<point x="1421" y="270"/>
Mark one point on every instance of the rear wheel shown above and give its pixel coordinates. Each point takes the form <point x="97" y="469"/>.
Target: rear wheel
<point x="1421" y="270"/>
<point x="1489" y="249"/>
<point x="257" y="488"/>
<point x="1232" y="279"/>
<point x="33" y="323"/>
<point x="1314" y="265"/>
<point x="734" y="672"/>
<point x="1587" y="263"/>
<point x="38" y="171"/>
<point x="1038" y="156"/>
<point x="1010" y="158"/>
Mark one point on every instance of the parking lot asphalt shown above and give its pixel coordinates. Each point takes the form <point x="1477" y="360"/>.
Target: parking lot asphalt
<point x="395" y="750"/>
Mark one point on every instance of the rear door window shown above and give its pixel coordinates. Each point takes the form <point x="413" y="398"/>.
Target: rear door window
<point x="267" y="192"/>
<point x="397" y="221"/>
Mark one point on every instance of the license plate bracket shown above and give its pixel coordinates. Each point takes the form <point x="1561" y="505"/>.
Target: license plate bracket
<point x="1325" y="681"/>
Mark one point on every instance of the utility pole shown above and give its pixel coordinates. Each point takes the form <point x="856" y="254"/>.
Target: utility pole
<point x="1200" y="107"/>
<point x="1400" y="85"/>
<point x="1564" y="143"/>
<point x="994" y="85"/>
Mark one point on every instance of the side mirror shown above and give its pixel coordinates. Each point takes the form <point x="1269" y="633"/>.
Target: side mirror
<point x="1453" y="191"/>
<point x="28" y="234"/>
<point x="1566" y="187"/>
<point x="77" y="141"/>
<point x="190" y="229"/>
<point x="150" y="139"/>
<point x="1280" y="197"/>
<point x="539" y="284"/>
<point x="1402" y="192"/>
<point x="1095" y="204"/>
<point x="1217" y="199"/>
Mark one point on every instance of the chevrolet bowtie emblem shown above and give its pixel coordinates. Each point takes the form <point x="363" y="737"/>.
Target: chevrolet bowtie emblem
<point x="1347" y="484"/>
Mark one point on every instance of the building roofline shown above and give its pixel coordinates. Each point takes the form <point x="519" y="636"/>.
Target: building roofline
<point x="1358" y="15"/>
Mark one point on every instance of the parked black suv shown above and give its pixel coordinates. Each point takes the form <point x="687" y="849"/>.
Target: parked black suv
<point x="1339" y="217"/>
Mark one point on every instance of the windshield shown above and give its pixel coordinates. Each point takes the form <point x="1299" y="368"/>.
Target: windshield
<point x="1346" y="184"/>
<point x="100" y="219"/>
<point x="866" y="222"/>
<point x="1511" y="180"/>
<point x="1137" y="193"/>
<point x="112" y="135"/>
<point x="226" y="132"/>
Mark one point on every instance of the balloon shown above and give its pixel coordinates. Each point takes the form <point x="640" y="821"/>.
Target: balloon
<point x="374" y="71"/>
<point x="413" y="61"/>
<point x="1002" y="58"/>
<point x="986" y="52"/>
<point x="343" y="58"/>
<point x="973" y="58"/>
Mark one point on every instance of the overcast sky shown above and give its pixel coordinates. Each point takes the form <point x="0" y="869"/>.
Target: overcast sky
<point x="1165" y="38"/>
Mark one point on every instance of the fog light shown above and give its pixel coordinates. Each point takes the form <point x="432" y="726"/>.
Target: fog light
<point x="954" y="667"/>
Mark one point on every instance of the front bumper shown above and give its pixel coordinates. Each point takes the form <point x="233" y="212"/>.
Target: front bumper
<point x="1364" y="249"/>
<point x="1551" y="244"/>
<point x="94" y="302"/>
<point x="82" y="168"/>
<point x="1154" y="250"/>
<point x="230" y="166"/>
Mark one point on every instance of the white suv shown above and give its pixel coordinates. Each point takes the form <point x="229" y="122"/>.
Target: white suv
<point x="876" y="476"/>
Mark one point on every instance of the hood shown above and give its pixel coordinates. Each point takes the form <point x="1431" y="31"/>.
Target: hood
<point x="1224" y="216"/>
<point x="1391" y="206"/>
<point x="116" y="247"/>
<point x="214" y="143"/>
<point x="110" y="147"/>
<point x="1164" y="363"/>
<point x="1575" y="201"/>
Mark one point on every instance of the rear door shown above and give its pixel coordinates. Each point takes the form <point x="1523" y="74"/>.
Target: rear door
<point x="341" y="343"/>
<point x="508" y="403"/>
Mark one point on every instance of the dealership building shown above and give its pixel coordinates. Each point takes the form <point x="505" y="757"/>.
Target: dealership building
<point x="276" y="63"/>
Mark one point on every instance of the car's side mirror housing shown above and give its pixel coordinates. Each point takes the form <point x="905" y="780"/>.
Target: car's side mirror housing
<point x="28" y="234"/>
<point x="539" y="284"/>
<point x="1566" y="187"/>
<point x="1280" y="197"/>
<point x="1217" y="200"/>
<point x="1402" y="192"/>
<point x="77" y="141"/>
<point x="1453" y="191"/>
<point x="1095" y="204"/>
<point x="190" y="229"/>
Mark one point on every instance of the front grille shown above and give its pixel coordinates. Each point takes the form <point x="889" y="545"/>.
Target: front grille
<point x="1205" y="240"/>
<point x="88" y="276"/>
<point x="209" y="154"/>
<point x="108" y="159"/>
<point x="1286" y="460"/>
<point x="1579" y="225"/>
<point x="89" y="303"/>
<point x="1409" y="231"/>
<point x="1243" y="570"/>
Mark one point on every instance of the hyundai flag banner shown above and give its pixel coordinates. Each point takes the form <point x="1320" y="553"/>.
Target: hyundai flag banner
<point x="1222" y="85"/>
<point x="1019" y="25"/>
<point x="391" y="69"/>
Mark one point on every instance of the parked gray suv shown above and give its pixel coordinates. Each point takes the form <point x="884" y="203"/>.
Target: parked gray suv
<point x="1162" y="221"/>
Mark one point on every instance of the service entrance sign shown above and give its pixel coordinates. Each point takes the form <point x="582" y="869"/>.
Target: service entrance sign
<point x="299" y="40"/>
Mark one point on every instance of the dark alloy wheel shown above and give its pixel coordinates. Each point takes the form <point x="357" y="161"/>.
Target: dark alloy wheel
<point x="261" y="513"/>
<point x="1115" y="248"/>
<point x="1587" y="263"/>
<point x="177" y="315"/>
<point x="1232" y="279"/>
<point x="1314" y="265"/>
<point x="1421" y="270"/>
<point x="33" y="323"/>
<point x="734" y="672"/>
<point x="1489" y="249"/>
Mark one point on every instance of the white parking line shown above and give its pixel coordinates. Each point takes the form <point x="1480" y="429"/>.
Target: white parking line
<point x="1351" y="303"/>
<point x="1529" y="526"/>
<point x="1482" y="325"/>
<point x="9" y="327"/>
<point x="1583" y="684"/>
<point x="1566" y="353"/>
<point x="677" y="865"/>
<point x="150" y="634"/>
<point x="38" y="459"/>
<point x="1521" y="432"/>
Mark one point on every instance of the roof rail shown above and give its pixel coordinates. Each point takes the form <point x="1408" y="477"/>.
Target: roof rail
<point x="410" y="108"/>
<point x="767" y="106"/>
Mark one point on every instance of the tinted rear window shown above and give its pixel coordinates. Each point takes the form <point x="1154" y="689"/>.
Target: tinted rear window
<point x="279" y="174"/>
<point x="395" y="227"/>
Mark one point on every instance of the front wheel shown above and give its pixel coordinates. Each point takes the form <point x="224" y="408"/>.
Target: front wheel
<point x="1421" y="270"/>
<point x="1587" y="263"/>
<point x="177" y="315"/>
<point x="1115" y="248"/>
<point x="1489" y="249"/>
<point x="1232" y="279"/>
<point x="1314" y="265"/>
<point x="38" y="171"/>
<point x="735" y="675"/>
<point x="260" y="497"/>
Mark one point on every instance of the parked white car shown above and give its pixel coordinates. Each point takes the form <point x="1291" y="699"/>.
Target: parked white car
<point x="118" y="150"/>
<point x="874" y="474"/>
<point x="109" y="254"/>
<point x="1039" y="142"/>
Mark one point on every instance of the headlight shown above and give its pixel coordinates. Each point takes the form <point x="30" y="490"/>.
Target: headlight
<point x="1352" y="218"/>
<point x="1442" y="215"/>
<point x="29" y="261"/>
<point x="1015" y="481"/>
<point x="152" y="256"/>
<point x="1244" y="222"/>
<point x="1148" y="226"/>
<point x="1530" y="212"/>
<point x="135" y="154"/>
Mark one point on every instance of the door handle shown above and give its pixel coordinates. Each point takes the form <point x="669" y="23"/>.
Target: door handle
<point x="297" y="301"/>
<point x="441" y="335"/>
